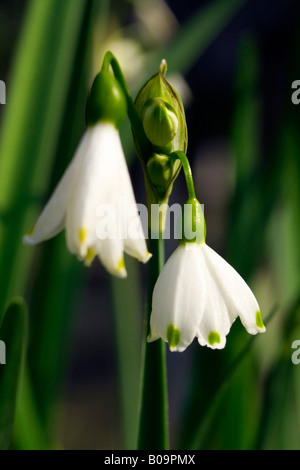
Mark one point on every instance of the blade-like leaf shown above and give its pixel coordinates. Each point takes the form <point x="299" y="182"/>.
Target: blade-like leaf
<point x="58" y="275"/>
<point x="127" y="304"/>
<point x="12" y="336"/>
<point x="280" y="421"/>
<point x="31" y="124"/>
<point x="279" y="424"/>
<point x="199" y="32"/>
<point x="228" y="378"/>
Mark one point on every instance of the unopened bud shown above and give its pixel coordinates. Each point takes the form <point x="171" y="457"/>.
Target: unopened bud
<point x="159" y="121"/>
<point x="106" y="101"/>
<point x="160" y="108"/>
<point x="160" y="172"/>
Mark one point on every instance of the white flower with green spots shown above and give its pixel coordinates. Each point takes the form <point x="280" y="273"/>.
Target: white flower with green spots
<point x="198" y="294"/>
<point x="97" y="175"/>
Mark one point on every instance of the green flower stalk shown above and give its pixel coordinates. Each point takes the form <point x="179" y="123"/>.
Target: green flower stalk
<point x="161" y="113"/>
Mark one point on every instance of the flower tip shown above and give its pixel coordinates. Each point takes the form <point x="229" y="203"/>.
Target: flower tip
<point x="259" y="323"/>
<point x="120" y="270"/>
<point x="144" y="257"/>
<point x="82" y="234"/>
<point x="177" y="348"/>
<point x="213" y="340"/>
<point x="27" y="239"/>
<point x="218" y="345"/>
<point x="173" y="338"/>
<point x="259" y="326"/>
<point x="163" y="67"/>
<point x="255" y="331"/>
<point x="89" y="257"/>
<point x="152" y="337"/>
<point x="147" y="257"/>
<point x="121" y="274"/>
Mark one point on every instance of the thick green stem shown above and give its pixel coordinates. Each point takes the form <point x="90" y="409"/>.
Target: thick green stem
<point x="153" y="418"/>
<point x="153" y="424"/>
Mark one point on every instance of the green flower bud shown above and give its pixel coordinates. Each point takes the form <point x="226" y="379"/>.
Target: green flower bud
<point x="160" y="108"/>
<point x="192" y="223"/>
<point x="164" y="127"/>
<point x="106" y="101"/>
<point x="159" y="121"/>
<point x="160" y="171"/>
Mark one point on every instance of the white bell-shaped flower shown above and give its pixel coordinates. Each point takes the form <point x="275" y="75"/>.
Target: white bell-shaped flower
<point x="96" y="179"/>
<point x="198" y="294"/>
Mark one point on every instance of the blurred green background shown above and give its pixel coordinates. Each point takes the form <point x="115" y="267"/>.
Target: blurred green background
<point x="74" y="334"/>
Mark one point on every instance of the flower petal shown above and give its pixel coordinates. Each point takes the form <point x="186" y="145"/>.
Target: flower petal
<point x="137" y="249"/>
<point x="215" y="323"/>
<point x="52" y="219"/>
<point x="96" y="186"/>
<point x="178" y="299"/>
<point x="131" y="224"/>
<point x="237" y="295"/>
<point x="110" y="253"/>
<point x="135" y="243"/>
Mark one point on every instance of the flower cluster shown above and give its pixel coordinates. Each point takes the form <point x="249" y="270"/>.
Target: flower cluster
<point x="198" y="294"/>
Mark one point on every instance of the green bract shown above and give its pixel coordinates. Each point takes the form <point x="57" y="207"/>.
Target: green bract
<point x="106" y="101"/>
<point x="193" y="227"/>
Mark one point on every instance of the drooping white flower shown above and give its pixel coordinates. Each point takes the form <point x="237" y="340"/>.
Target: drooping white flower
<point x="97" y="177"/>
<point x="198" y="294"/>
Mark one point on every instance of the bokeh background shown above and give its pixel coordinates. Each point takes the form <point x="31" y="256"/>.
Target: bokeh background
<point x="233" y="63"/>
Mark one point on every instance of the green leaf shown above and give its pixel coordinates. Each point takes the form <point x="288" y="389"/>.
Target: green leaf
<point x="56" y="270"/>
<point x="231" y="389"/>
<point x="279" y="424"/>
<point x="43" y="122"/>
<point x="13" y="335"/>
<point x="127" y="303"/>
<point x="246" y="120"/>
<point x="199" y="32"/>
<point x="29" y="434"/>
<point x="33" y="117"/>
<point x="247" y="208"/>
